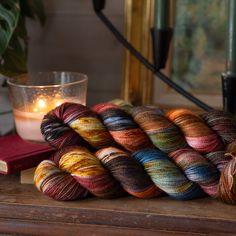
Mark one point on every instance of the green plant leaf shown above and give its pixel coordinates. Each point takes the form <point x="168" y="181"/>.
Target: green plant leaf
<point x="13" y="33"/>
<point x="9" y="16"/>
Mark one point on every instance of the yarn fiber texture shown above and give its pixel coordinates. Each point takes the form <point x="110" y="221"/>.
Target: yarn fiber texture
<point x="227" y="186"/>
<point x="222" y="123"/>
<point x="79" y="164"/>
<point x="122" y="127"/>
<point x="166" y="136"/>
<point x="197" y="134"/>
<point x="197" y="169"/>
<point x="69" y="123"/>
<point x="140" y="151"/>
<point x="162" y="132"/>
<point x="57" y="184"/>
<point x="166" y="175"/>
<point x="128" y="172"/>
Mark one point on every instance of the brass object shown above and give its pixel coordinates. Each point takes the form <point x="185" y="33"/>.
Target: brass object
<point x="137" y="86"/>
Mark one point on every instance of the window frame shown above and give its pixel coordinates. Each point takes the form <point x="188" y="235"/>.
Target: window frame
<point x="139" y="85"/>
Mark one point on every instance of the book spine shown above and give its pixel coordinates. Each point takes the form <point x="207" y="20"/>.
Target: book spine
<point x="26" y="162"/>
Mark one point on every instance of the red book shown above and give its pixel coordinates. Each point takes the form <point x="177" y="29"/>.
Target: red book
<point x="17" y="154"/>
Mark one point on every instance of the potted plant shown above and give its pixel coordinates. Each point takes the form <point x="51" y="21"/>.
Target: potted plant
<point x="13" y="33"/>
<point x="13" y="44"/>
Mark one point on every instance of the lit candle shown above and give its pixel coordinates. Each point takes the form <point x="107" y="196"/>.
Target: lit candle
<point x="28" y="119"/>
<point x="33" y="95"/>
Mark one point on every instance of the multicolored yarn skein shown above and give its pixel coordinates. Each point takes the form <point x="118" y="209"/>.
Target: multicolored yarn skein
<point x="224" y="124"/>
<point x="168" y="138"/>
<point x="162" y="132"/>
<point x="122" y="127"/>
<point x="128" y="172"/>
<point x="157" y="165"/>
<point x="79" y="165"/>
<point x="165" y="140"/>
<point x="86" y="174"/>
<point x="166" y="175"/>
<point x="69" y="123"/>
<point x="197" y="134"/>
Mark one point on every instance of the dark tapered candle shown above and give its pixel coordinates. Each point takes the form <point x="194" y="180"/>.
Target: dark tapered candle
<point x="231" y="51"/>
<point x="161" y="14"/>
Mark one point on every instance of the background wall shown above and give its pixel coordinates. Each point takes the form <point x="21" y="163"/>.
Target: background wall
<point x="74" y="39"/>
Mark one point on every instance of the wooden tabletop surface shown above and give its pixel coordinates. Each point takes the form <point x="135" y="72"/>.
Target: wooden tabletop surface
<point x="24" y="209"/>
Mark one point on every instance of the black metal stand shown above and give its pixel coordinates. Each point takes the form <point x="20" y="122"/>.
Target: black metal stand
<point x="229" y="93"/>
<point x="161" y="39"/>
<point x="99" y="6"/>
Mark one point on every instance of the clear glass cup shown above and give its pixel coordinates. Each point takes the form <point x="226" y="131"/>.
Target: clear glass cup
<point x="33" y="95"/>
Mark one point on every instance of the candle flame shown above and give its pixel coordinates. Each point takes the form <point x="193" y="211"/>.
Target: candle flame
<point x="41" y="103"/>
<point x="44" y="105"/>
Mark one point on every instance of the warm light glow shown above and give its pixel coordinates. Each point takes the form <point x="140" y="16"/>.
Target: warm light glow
<point x="44" y="105"/>
<point x="58" y="103"/>
<point x="41" y="103"/>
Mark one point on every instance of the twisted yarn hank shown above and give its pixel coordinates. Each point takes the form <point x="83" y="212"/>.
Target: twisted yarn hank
<point x="227" y="186"/>
<point x="166" y="175"/>
<point x="128" y="172"/>
<point x="57" y="184"/>
<point x="122" y="127"/>
<point x="57" y="129"/>
<point x="84" y="167"/>
<point x="197" y="169"/>
<point x="124" y="105"/>
<point x="218" y="159"/>
<point x="76" y="121"/>
<point x="197" y="134"/>
<point x="56" y="133"/>
<point x="168" y="138"/>
<point x="163" y="133"/>
<point x="222" y="123"/>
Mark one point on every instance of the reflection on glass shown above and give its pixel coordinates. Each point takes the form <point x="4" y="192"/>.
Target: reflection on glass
<point x="199" y="44"/>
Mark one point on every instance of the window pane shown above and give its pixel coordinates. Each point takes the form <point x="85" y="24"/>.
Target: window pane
<point x="199" y="44"/>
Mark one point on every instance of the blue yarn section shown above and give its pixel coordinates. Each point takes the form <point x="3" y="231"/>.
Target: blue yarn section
<point x="116" y="119"/>
<point x="204" y="174"/>
<point x="112" y="122"/>
<point x="166" y="175"/>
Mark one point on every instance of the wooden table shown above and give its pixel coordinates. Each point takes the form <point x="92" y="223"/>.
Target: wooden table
<point x="24" y="210"/>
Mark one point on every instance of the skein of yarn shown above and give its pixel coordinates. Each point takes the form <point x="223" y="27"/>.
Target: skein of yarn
<point x="227" y="186"/>
<point x="163" y="133"/>
<point x="83" y="168"/>
<point x="57" y="184"/>
<point x="166" y="175"/>
<point x="67" y="124"/>
<point x="218" y="159"/>
<point x="197" y="169"/>
<point x="121" y="126"/>
<point x="128" y="172"/>
<point x="222" y="123"/>
<point x="168" y="138"/>
<point x="74" y="172"/>
<point x="197" y="134"/>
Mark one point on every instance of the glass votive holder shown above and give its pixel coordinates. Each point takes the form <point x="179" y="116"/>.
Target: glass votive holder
<point x="33" y="95"/>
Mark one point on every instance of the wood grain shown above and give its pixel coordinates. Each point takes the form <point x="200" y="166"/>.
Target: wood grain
<point x="23" y="205"/>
